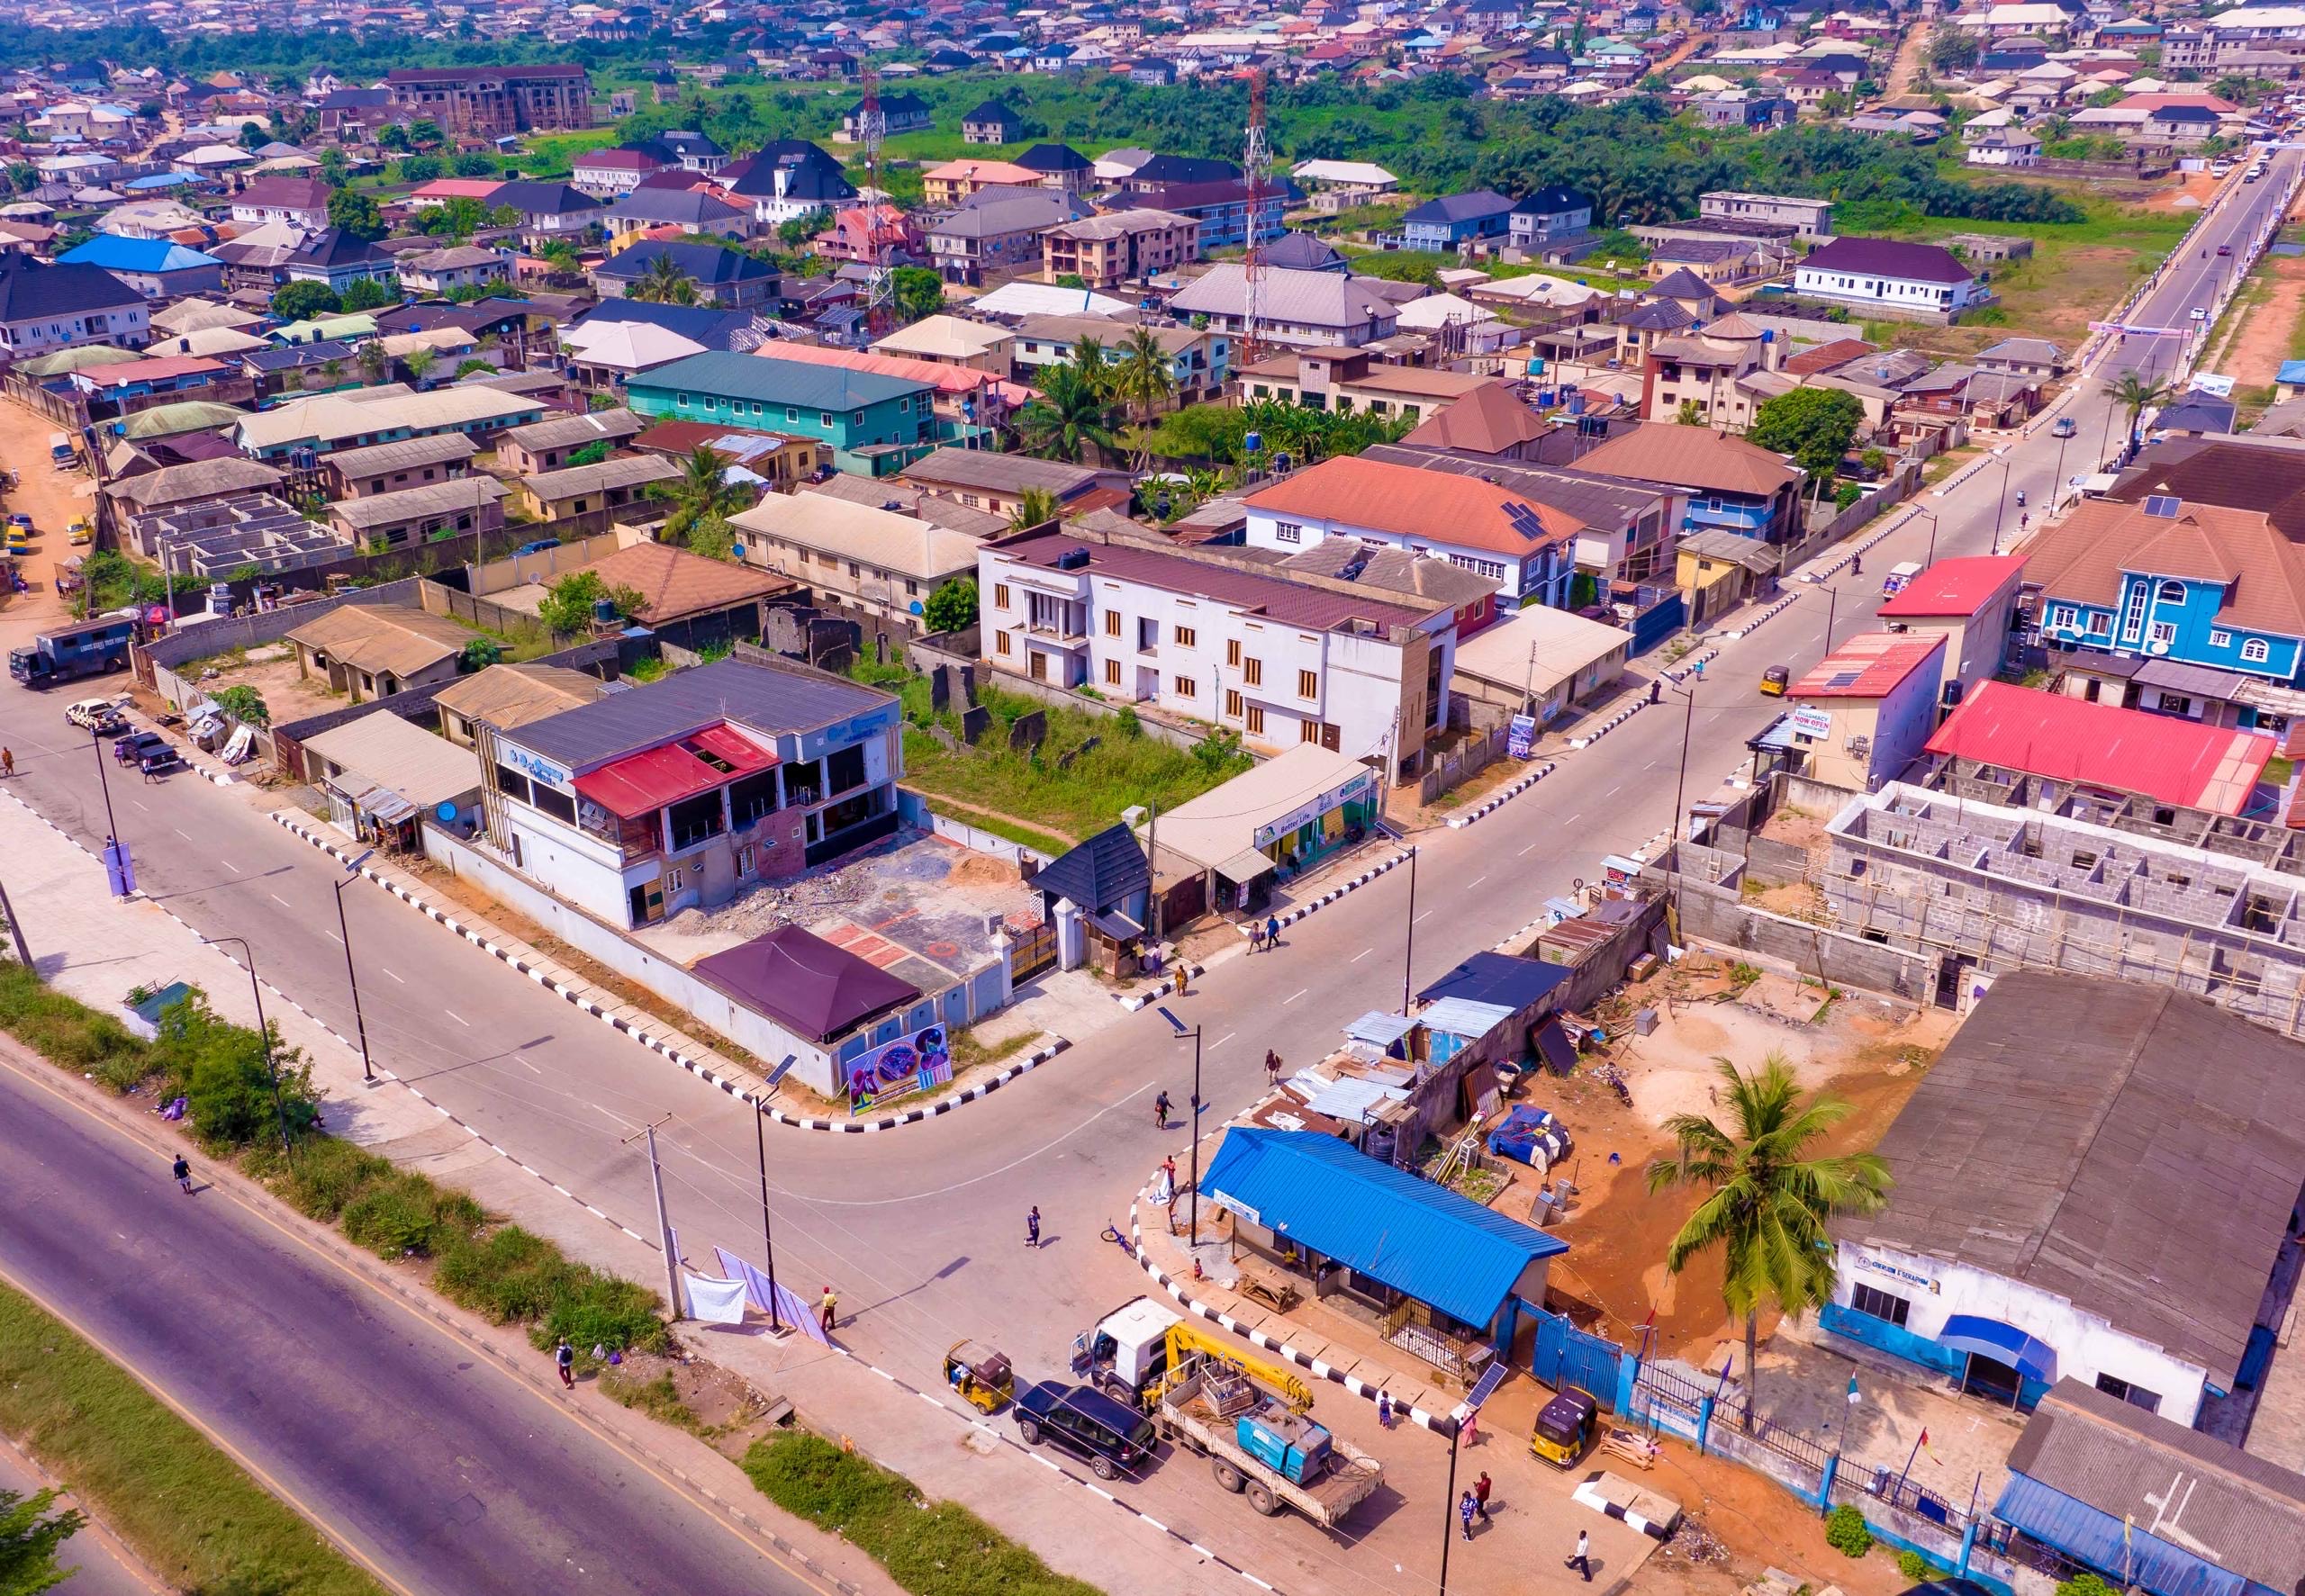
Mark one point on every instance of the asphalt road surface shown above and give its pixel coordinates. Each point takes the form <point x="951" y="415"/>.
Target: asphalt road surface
<point x="451" y="1475"/>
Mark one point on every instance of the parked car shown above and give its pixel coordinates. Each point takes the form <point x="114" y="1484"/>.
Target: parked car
<point x="539" y="547"/>
<point x="132" y="749"/>
<point x="159" y="761"/>
<point x="80" y="533"/>
<point x="100" y="715"/>
<point x="1114" y="1436"/>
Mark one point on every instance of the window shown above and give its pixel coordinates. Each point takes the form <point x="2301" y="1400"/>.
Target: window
<point x="695" y="820"/>
<point x="824" y="418"/>
<point x="1232" y="704"/>
<point x="1289" y="531"/>
<point x="2255" y="652"/>
<point x="792" y="414"/>
<point x="676" y="879"/>
<point x="2061" y="615"/>
<point x="1233" y="653"/>
<point x="1112" y="622"/>
<point x="1256" y="721"/>
<point x="1000" y="643"/>
<point x="1308" y="731"/>
<point x="2099" y="624"/>
<point x="1252" y="672"/>
<point x="1880" y="1305"/>
<point x="1185" y="687"/>
<point x="746" y="857"/>
<point x="2171" y="592"/>
<point x="2165" y="632"/>
<point x="1186" y="636"/>
<point x="751" y="797"/>
<point x="2219" y="637"/>
<point x="1308" y="685"/>
<point x="2135" y="1396"/>
<point x="1000" y="595"/>
<point x="1112" y="673"/>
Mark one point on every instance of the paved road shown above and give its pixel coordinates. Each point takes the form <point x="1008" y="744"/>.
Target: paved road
<point x="921" y="1228"/>
<point x="451" y="1475"/>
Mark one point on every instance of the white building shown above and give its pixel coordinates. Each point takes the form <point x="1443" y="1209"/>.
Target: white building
<point x="1889" y="274"/>
<point x="1280" y="658"/>
<point x="2076" y="1197"/>
<point x="1525" y="548"/>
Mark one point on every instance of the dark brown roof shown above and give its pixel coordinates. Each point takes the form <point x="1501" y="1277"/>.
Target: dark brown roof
<point x="1300" y="604"/>
<point x="2259" y="476"/>
<point x="2082" y="557"/>
<point x="2070" y="1138"/>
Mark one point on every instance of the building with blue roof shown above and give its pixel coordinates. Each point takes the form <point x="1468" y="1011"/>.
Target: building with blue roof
<point x="1380" y="1236"/>
<point x="157" y="268"/>
<point x="2288" y="381"/>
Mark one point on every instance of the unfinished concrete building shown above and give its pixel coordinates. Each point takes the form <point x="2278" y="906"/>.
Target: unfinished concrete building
<point x="216" y="537"/>
<point x="2209" y="905"/>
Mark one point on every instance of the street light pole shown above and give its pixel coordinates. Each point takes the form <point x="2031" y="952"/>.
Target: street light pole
<point x="1832" y="608"/>
<point x="1680" y="792"/>
<point x="1449" y="1505"/>
<point x="104" y="780"/>
<point x="2000" y="503"/>
<point x="264" y="1032"/>
<point x="344" y="936"/>
<point x="1408" y="950"/>
<point x="1192" y="1130"/>
<point x="767" y="1231"/>
<point x="1931" y="514"/>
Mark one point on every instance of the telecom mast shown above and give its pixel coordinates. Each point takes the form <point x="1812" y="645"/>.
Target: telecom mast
<point x="1256" y="163"/>
<point x="872" y="125"/>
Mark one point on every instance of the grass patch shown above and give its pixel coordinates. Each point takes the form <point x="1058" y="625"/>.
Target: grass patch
<point x="186" y="1508"/>
<point x="968" y="1052"/>
<point x="660" y="1399"/>
<point x="939" y="1549"/>
<point x="2279" y="769"/>
<point x="1040" y="842"/>
<point x="501" y="1271"/>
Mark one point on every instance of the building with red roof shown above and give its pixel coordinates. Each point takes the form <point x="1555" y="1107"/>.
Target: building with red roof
<point x="1971" y="602"/>
<point x="2030" y="750"/>
<point x="1865" y="710"/>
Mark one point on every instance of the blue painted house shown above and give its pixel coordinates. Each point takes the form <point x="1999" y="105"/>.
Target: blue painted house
<point x="1722" y="484"/>
<point x="1457" y="218"/>
<point x="2173" y="583"/>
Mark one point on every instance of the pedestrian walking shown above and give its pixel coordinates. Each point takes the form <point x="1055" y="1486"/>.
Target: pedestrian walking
<point x="1579" y="1560"/>
<point x="1384" y="1409"/>
<point x="1481" y="1488"/>
<point x="1161" y="1111"/>
<point x="1178" y="979"/>
<point x="1466" y="1508"/>
<point x="828" y="1310"/>
<point x="1272" y="931"/>
<point x="564" y="1358"/>
<point x="1472" y="1427"/>
<point x="1271" y="1068"/>
<point x="1033" y="1227"/>
<point x="182" y="1172"/>
<point x="7" y="761"/>
<point x="1256" y="937"/>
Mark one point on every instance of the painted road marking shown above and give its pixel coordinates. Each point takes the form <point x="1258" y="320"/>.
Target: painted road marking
<point x="458" y="1018"/>
<point x="1421" y="919"/>
<point x="283" y="902"/>
<point x="228" y="865"/>
<point x="1476" y="880"/>
<point x="388" y="972"/>
<point x="1221" y="1041"/>
<point x="1364" y="953"/>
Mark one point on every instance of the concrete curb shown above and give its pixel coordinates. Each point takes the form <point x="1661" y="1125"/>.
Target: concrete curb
<point x="1499" y="798"/>
<point x="1439" y="1423"/>
<point x="1353" y="885"/>
<point x="1701" y="657"/>
<point x="1763" y="617"/>
<point x="656" y="1043"/>
<point x="1610" y="725"/>
<point x="1133" y="1001"/>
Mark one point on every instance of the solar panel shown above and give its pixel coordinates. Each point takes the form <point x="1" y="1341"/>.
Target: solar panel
<point x="1843" y="678"/>
<point x="1525" y="521"/>
<point x="2163" y="505"/>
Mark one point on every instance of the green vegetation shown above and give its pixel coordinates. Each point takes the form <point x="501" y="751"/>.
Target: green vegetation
<point x="566" y="607"/>
<point x="2086" y="1584"/>
<point x="933" y="1549"/>
<point x="951" y="607"/>
<point x="1846" y="1533"/>
<point x="184" y="1506"/>
<point x="1815" y="426"/>
<point x="242" y="704"/>
<point x="1767" y="1199"/>
<point x="30" y="1532"/>
<point x="301" y="302"/>
<point x="1039" y="842"/>
<point x="1914" y="1566"/>
<point x="240" y="1110"/>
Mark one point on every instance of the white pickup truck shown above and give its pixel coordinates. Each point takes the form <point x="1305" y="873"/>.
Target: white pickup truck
<point x="1340" y="1480"/>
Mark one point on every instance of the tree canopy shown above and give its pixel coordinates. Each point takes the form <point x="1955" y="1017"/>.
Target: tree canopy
<point x="301" y="302"/>
<point x="566" y="607"/>
<point x="1815" y="426"/>
<point x="354" y="212"/>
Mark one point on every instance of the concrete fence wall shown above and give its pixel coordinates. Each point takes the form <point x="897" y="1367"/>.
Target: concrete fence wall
<point x="1711" y="910"/>
<point x="247" y="631"/>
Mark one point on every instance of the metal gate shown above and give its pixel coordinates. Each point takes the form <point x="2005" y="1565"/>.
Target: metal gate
<point x="1032" y="949"/>
<point x="1566" y="1356"/>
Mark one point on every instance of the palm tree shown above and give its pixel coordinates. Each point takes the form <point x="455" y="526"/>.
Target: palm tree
<point x="420" y="364"/>
<point x="332" y="371"/>
<point x="700" y="490"/>
<point x="2137" y="396"/>
<point x="1034" y="507"/>
<point x="1089" y="360"/>
<point x="662" y="282"/>
<point x="1143" y="377"/>
<point x="1768" y="1201"/>
<point x="371" y="361"/>
<point x="1069" y="415"/>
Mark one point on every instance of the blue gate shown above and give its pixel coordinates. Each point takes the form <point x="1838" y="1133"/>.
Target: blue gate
<point x="1566" y="1356"/>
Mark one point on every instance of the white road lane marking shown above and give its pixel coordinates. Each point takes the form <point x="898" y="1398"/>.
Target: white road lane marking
<point x="388" y="972"/>
<point x="1300" y="992"/>
<point x="1364" y="953"/>
<point x="458" y="1018"/>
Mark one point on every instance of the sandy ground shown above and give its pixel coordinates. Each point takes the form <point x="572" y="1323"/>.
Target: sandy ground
<point x="2253" y="356"/>
<point x="271" y="670"/>
<point x="53" y="498"/>
<point x="1864" y="1052"/>
<point x="2197" y="186"/>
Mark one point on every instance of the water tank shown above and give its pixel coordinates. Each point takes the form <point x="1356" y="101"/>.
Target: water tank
<point x="604" y="612"/>
<point x="1252" y="442"/>
<point x="1577" y="404"/>
<point x="1075" y="558"/>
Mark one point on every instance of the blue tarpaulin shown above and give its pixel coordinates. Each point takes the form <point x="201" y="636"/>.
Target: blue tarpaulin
<point x="2002" y="1343"/>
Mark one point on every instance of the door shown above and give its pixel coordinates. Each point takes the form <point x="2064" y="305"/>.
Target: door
<point x="1037" y="665"/>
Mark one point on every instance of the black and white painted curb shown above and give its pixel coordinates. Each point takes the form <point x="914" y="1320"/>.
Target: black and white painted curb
<point x="1133" y="1001"/>
<point x="1774" y="610"/>
<point x="1498" y="799"/>
<point x="1350" y="885"/>
<point x="1687" y="668"/>
<point x="1439" y="1423"/>
<point x="656" y="1043"/>
<point x="1849" y="554"/>
<point x="1610" y="725"/>
<point x="1589" y="1493"/>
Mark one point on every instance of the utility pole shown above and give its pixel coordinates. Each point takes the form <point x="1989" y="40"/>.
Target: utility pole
<point x="344" y="936"/>
<point x="767" y="1230"/>
<point x="264" y="1030"/>
<point x="104" y="782"/>
<point x="16" y="928"/>
<point x="1192" y="1131"/>
<point x="1153" y="870"/>
<point x="663" y="1218"/>
<point x="1408" y="950"/>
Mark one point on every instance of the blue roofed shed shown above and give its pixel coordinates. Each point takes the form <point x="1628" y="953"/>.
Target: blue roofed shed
<point x="1393" y="1235"/>
<point x="2288" y="381"/>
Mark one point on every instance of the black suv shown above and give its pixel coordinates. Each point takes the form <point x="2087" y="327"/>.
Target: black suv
<point x="1111" y="1435"/>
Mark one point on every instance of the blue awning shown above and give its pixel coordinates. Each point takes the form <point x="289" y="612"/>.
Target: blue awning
<point x="2091" y="1535"/>
<point x="2002" y="1343"/>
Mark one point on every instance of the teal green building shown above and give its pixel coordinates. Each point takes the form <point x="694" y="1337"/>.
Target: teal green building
<point x="874" y="425"/>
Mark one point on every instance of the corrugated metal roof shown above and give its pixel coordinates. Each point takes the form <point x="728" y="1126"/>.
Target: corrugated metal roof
<point x="1496" y="979"/>
<point x="762" y="697"/>
<point x="2094" y="1537"/>
<point x="1461" y="1016"/>
<point x="2164" y="757"/>
<point x="1420" y="1239"/>
<point x="1352" y="1096"/>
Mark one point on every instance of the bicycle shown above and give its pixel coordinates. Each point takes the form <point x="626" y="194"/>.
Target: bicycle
<point x="1112" y="1234"/>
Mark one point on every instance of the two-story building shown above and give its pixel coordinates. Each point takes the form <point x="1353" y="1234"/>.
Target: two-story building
<point x="1346" y="380"/>
<point x="873" y="424"/>
<point x="1972" y="603"/>
<point x="45" y="307"/>
<point x="725" y="279"/>
<point x="550" y="211"/>
<point x="1866" y="711"/>
<point x="2169" y="580"/>
<point x="1813" y="219"/>
<point x="997" y="231"/>
<point x="1199" y="358"/>
<point x="1550" y="219"/>
<point x="684" y="792"/>
<point x="1890" y="276"/>
<point x="787" y="179"/>
<point x="956" y="183"/>
<point x="300" y="202"/>
<point x="1281" y="658"/>
<point x="1107" y="250"/>
<point x="1721" y="482"/>
<point x="1297" y="308"/>
<point x="1523" y="546"/>
<point x="157" y="268"/>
